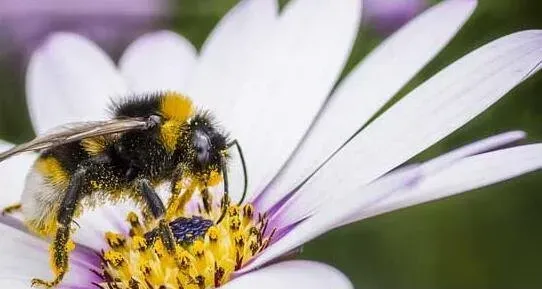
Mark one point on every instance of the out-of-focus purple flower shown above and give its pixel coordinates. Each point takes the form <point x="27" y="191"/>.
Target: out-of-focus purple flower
<point x="387" y="15"/>
<point x="110" y="23"/>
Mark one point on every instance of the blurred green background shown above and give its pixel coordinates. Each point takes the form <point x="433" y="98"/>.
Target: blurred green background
<point x="490" y="238"/>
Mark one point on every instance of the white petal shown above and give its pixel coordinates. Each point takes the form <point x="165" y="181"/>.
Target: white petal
<point x="410" y="186"/>
<point x="294" y="77"/>
<point x="25" y="257"/>
<point x="481" y="146"/>
<point x="70" y="79"/>
<point x="368" y="87"/>
<point x="95" y="222"/>
<point x="428" y="169"/>
<point x="468" y="174"/>
<point x="158" y="61"/>
<point x="320" y="223"/>
<point x="292" y="274"/>
<point x="426" y="115"/>
<point x="14" y="172"/>
<point x="229" y="53"/>
<point x="229" y="60"/>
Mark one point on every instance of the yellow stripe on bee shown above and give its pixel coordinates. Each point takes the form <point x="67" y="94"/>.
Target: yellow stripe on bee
<point x="176" y="110"/>
<point x="45" y="228"/>
<point x="51" y="169"/>
<point x="175" y="106"/>
<point x="57" y="177"/>
<point x="169" y="133"/>
<point x="95" y="145"/>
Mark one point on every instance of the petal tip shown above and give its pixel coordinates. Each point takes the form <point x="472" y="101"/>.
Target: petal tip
<point x="519" y="134"/>
<point x="168" y="37"/>
<point x="465" y="5"/>
<point x="61" y="37"/>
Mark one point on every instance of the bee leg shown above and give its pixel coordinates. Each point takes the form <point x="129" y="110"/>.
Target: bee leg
<point x="157" y="210"/>
<point x="179" y="203"/>
<point x="12" y="209"/>
<point x="62" y="245"/>
<point x="206" y="199"/>
<point x="172" y="203"/>
<point x="226" y="198"/>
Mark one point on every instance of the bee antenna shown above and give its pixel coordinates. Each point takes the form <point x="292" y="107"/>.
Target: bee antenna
<point x="226" y="188"/>
<point x="225" y="177"/>
<point x="245" y="175"/>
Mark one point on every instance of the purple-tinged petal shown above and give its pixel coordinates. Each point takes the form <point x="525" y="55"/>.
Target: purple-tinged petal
<point x="25" y="257"/>
<point x="468" y="174"/>
<point x="292" y="274"/>
<point x="386" y="16"/>
<point x="438" y="178"/>
<point x="478" y="147"/>
<point x="435" y="165"/>
<point x="320" y="223"/>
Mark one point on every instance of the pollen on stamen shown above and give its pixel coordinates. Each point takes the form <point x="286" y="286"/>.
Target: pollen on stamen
<point x="205" y="255"/>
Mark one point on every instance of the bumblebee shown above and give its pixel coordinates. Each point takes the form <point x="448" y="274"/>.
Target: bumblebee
<point x="150" y="139"/>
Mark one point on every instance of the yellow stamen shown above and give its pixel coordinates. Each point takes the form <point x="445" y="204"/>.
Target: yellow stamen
<point x="116" y="259"/>
<point x="204" y="259"/>
<point x="114" y="240"/>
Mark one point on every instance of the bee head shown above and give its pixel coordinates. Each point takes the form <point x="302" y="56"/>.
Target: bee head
<point x="207" y="142"/>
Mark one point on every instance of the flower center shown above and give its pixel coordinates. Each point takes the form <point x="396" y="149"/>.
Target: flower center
<point x="205" y="256"/>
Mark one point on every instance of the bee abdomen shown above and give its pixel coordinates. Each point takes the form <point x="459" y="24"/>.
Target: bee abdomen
<point x="40" y="199"/>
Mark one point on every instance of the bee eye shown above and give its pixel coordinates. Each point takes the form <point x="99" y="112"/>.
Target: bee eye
<point x="202" y="146"/>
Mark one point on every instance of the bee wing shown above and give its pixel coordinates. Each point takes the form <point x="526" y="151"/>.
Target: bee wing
<point x="76" y="131"/>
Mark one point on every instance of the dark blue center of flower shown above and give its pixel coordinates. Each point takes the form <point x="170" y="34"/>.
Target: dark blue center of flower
<point x="185" y="230"/>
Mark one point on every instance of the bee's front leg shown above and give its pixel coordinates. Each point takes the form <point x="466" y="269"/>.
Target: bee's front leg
<point x="62" y="244"/>
<point x="59" y="258"/>
<point x="158" y="211"/>
<point x="173" y="201"/>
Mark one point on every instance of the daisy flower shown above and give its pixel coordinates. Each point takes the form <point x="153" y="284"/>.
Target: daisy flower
<point x="271" y="79"/>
